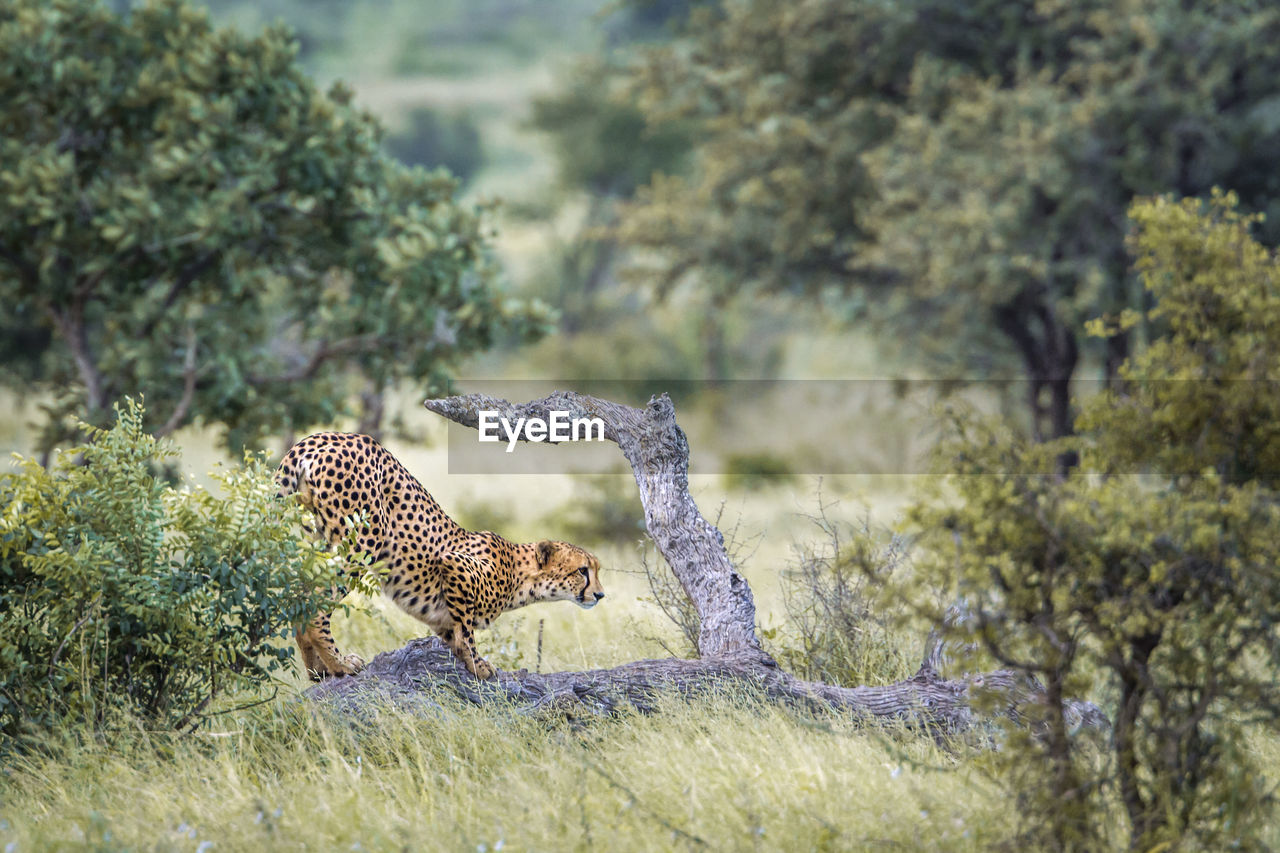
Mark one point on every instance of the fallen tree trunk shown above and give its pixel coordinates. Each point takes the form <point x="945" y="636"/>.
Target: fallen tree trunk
<point x="729" y="651"/>
<point x="403" y="677"/>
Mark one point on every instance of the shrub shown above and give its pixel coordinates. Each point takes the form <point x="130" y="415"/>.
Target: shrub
<point x="119" y="591"/>
<point x="837" y="630"/>
<point x="1157" y="593"/>
<point x="669" y="597"/>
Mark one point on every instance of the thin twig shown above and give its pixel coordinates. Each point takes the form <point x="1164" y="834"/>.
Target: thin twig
<point x="188" y="387"/>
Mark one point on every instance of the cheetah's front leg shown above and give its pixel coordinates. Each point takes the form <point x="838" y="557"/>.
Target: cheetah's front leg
<point x="462" y="642"/>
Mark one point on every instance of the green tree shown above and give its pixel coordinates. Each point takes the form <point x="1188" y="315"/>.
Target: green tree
<point x="1157" y="593"/>
<point x="191" y="219"/>
<point x="965" y="167"/>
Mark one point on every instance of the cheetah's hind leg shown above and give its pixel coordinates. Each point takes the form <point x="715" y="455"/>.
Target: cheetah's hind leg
<point x="310" y="657"/>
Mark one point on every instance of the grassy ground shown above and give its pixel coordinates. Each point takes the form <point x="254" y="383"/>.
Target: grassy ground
<point x="727" y="775"/>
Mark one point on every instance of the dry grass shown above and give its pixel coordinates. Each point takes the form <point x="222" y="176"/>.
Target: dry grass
<point x="726" y="775"/>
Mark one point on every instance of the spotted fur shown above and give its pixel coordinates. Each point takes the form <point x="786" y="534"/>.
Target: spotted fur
<point x="454" y="580"/>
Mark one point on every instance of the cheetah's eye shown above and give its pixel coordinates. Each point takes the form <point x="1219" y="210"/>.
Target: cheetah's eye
<point x="586" y="572"/>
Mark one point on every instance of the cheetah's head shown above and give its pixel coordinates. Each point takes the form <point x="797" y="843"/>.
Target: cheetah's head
<point x="574" y="573"/>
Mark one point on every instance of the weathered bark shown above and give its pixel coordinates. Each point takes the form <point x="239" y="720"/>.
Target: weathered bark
<point x="729" y="650"/>
<point x="402" y="676"/>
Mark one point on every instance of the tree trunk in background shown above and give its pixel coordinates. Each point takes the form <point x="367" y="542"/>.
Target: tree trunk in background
<point x="591" y="248"/>
<point x="715" y="346"/>
<point x="1049" y="357"/>
<point x="728" y="646"/>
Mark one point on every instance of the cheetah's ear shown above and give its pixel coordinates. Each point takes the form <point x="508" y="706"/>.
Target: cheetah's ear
<point x="545" y="547"/>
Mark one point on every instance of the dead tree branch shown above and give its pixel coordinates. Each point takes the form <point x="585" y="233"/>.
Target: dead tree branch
<point x="658" y="453"/>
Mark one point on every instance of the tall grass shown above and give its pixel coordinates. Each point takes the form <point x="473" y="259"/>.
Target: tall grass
<point x="835" y="630"/>
<point x="728" y="774"/>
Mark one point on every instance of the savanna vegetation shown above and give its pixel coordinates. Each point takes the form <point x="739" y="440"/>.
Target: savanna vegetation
<point x="221" y="232"/>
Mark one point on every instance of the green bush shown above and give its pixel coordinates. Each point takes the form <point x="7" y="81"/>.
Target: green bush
<point x="119" y="591"/>
<point x="1146" y="576"/>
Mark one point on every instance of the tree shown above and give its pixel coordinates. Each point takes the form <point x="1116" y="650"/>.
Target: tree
<point x="1159" y="591"/>
<point x="191" y="220"/>
<point x="965" y="166"/>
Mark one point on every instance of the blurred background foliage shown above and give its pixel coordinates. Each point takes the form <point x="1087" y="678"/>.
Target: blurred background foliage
<point x="965" y="168"/>
<point x="939" y="189"/>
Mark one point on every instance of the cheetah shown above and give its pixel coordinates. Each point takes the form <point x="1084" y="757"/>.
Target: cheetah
<point x="454" y="580"/>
